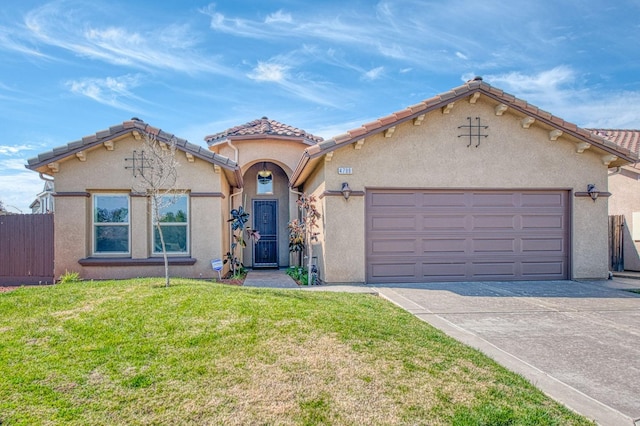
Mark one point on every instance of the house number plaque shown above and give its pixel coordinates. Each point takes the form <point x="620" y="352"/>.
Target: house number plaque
<point x="345" y="170"/>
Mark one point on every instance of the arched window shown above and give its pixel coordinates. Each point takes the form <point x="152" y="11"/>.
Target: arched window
<point x="265" y="181"/>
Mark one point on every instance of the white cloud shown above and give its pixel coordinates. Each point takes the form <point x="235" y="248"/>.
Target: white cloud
<point x="12" y="164"/>
<point x="14" y="149"/>
<point x="560" y="92"/>
<point x="108" y="91"/>
<point x="68" y="25"/>
<point x="462" y="55"/>
<point x="10" y="40"/>
<point x="266" y="71"/>
<point x="548" y="81"/>
<point x="18" y="190"/>
<point x="373" y="74"/>
<point x="278" y="17"/>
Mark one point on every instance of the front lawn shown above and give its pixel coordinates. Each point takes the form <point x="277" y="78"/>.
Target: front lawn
<point x="134" y="352"/>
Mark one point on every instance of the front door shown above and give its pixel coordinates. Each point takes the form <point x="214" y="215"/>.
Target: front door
<point x="265" y="221"/>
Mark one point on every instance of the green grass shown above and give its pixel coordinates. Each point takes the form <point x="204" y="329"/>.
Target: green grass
<point x="134" y="352"/>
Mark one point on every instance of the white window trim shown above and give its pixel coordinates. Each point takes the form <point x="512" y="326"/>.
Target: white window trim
<point x="94" y="224"/>
<point x="187" y="224"/>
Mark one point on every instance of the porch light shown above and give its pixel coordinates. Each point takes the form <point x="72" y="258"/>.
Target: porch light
<point x="593" y="192"/>
<point x="346" y="191"/>
<point x="264" y="173"/>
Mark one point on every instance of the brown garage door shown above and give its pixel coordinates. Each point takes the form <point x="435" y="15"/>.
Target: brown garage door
<point x="466" y="235"/>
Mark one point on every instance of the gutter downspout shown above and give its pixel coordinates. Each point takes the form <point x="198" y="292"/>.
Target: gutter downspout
<point x="45" y="178"/>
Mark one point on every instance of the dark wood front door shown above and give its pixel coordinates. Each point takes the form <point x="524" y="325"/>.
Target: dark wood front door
<point x="265" y="221"/>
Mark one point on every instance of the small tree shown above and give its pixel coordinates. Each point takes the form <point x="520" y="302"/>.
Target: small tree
<point x="156" y="174"/>
<point x="302" y="232"/>
<point x="238" y="219"/>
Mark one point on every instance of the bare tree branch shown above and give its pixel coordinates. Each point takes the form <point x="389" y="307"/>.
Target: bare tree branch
<point x="156" y="176"/>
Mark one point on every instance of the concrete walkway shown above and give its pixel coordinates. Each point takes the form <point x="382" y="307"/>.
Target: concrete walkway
<point x="269" y="278"/>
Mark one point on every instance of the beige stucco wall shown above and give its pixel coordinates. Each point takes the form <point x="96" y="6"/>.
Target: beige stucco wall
<point x="433" y="156"/>
<point x="104" y="171"/>
<point x="284" y="153"/>
<point x="625" y="199"/>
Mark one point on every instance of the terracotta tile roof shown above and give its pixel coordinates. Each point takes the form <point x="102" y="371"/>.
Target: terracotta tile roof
<point x="262" y="127"/>
<point x="470" y="87"/>
<point x="113" y="132"/>
<point x="624" y="151"/>
<point x="628" y="139"/>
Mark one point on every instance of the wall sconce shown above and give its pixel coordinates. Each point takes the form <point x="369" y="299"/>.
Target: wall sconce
<point x="346" y="191"/>
<point x="593" y="192"/>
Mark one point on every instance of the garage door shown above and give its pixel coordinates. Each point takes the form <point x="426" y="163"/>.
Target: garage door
<point x="466" y="235"/>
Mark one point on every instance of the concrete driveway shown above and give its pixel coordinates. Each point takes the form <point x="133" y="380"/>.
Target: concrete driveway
<point x="577" y="341"/>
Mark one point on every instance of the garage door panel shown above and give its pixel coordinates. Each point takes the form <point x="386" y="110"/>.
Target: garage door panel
<point x="398" y="246"/>
<point x="493" y="200"/>
<point x="444" y="200"/>
<point x="539" y="222"/>
<point x="548" y="269"/>
<point x="494" y="245"/>
<point x="444" y="245"/>
<point x="393" y="199"/>
<point x="445" y="271"/>
<point x="393" y="223"/>
<point x="385" y="271"/>
<point x="467" y="235"/>
<point x="495" y="222"/>
<point x="543" y="245"/>
<point x="444" y="222"/>
<point x="543" y="200"/>
<point x="484" y="270"/>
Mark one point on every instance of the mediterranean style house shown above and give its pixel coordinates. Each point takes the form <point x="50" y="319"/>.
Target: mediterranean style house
<point x="472" y="184"/>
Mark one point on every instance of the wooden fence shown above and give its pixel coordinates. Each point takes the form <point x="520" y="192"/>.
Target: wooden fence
<point x="26" y="249"/>
<point x="616" y="240"/>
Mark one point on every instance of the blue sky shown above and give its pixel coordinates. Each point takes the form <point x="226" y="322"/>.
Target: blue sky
<point x="71" y="68"/>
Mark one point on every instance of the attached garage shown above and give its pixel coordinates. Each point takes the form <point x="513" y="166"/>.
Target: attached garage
<point x="466" y="235"/>
<point x="473" y="184"/>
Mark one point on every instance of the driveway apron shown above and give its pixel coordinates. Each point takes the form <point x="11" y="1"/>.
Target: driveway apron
<point x="577" y="341"/>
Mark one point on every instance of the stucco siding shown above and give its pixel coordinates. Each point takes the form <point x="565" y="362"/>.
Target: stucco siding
<point x="285" y="153"/>
<point x="104" y="172"/>
<point x="625" y="200"/>
<point x="434" y="156"/>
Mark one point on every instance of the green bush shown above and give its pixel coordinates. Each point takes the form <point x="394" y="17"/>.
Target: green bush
<point x="299" y="274"/>
<point x="69" y="277"/>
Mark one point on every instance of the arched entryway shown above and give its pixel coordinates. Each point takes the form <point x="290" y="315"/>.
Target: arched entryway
<point x="266" y="198"/>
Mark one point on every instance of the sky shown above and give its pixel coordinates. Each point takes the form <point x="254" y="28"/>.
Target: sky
<point x="71" y="68"/>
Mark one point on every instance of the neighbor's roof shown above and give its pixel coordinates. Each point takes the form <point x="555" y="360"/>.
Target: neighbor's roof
<point x="313" y="153"/>
<point x="263" y="128"/>
<point x="624" y="138"/>
<point x="115" y="132"/>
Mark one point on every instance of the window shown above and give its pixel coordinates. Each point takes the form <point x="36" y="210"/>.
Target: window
<point x="111" y="224"/>
<point x="265" y="182"/>
<point x="174" y="222"/>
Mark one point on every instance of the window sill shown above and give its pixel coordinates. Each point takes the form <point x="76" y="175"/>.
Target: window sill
<point x="126" y="261"/>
